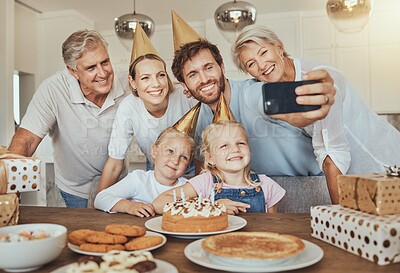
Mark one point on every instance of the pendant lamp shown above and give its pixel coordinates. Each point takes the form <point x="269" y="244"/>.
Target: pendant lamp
<point x="125" y="26"/>
<point x="232" y="17"/>
<point x="349" y="16"/>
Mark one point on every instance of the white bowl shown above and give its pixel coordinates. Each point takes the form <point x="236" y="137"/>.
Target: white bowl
<point x="30" y="255"/>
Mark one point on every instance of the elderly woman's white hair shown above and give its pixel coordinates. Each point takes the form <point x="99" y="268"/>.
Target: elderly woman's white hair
<point x="254" y="33"/>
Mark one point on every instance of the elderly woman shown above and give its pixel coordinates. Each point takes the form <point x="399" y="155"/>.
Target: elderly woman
<point x="352" y="138"/>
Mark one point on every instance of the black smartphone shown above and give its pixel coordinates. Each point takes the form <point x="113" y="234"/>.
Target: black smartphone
<point x="280" y="98"/>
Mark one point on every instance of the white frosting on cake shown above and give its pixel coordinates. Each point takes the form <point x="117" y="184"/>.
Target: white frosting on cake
<point x="113" y="261"/>
<point x="192" y="208"/>
<point x="88" y="266"/>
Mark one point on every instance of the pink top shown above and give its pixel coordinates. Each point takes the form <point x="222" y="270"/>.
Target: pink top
<point x="273" y="192"/>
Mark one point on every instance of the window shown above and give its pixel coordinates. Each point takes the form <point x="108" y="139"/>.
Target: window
<point x="16" y="100"/>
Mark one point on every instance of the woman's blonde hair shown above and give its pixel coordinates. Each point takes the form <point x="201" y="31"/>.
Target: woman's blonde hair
<point x="173" y="133"/>
<point x="254" y="33"/>
<point x="212" y="132"/>
<point x="132" y="70"/>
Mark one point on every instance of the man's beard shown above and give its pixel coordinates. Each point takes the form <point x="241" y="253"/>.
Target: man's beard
<point x="210" y="100"/>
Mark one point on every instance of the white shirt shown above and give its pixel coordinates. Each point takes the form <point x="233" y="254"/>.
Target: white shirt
<point x="354" y="136"/>
<point x="133" y="119"/>
<point x="79" y="129"/>
<point x="138" y="186"/>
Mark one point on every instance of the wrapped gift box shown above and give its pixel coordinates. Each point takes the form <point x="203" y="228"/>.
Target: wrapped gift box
<point x="373" y="193"/>
<point x="375" y="238"/>
<point x="19" y="175"/>
<point x="9" y="209"/>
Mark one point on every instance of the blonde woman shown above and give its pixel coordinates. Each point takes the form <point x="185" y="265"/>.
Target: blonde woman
<point x="153" y="106"/>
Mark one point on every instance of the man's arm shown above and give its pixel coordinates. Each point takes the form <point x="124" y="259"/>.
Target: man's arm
<point x="111" y="172"/>
<point x="322" y="93"/>
<point x="24" y="142"/>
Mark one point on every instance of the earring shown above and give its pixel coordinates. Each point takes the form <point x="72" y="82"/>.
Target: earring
<point x="210" y="165"/>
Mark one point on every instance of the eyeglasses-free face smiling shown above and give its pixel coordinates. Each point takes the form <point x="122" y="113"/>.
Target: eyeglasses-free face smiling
<point x="264" y="62"/>
<point x="94" y="72"/>
<point x="151" y="82"/>
<point x="230" y="151"/>
<point x="204" y="78"/>
<point x="171" y="159"/>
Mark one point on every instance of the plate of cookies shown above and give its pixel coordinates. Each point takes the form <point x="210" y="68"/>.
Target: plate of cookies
<point x="120" y="237"/>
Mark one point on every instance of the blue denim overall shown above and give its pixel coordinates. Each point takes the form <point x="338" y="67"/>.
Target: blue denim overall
<point x="254" y="197"/>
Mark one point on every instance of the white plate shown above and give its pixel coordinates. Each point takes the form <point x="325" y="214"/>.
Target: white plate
<point x="76" y="248"/>
<point x="162" y="267"/>
<point x="311" y="255"/>
<point x="234" y="223"/>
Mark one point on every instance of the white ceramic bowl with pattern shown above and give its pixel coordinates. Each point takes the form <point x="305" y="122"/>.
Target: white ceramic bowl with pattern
<point x="26" y="256"/>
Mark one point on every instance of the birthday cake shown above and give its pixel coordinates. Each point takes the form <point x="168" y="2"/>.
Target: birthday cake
<point x="194" y="215"/>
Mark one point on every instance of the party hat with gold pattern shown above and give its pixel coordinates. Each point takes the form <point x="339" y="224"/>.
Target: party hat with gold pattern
<point x="141" y="44"/>
<point x="187" y="123"/>
<point x="183" y="33"/>
<point x="223" y="112"/>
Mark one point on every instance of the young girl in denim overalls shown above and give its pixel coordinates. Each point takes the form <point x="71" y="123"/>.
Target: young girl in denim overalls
<point x="226" y="174"/>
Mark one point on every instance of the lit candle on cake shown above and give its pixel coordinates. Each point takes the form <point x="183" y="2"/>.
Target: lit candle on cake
<point x="183" y="196"/>
<point x="174" y="191"/>
<point x="212" y="197"/>
<point x="200" y="198"/>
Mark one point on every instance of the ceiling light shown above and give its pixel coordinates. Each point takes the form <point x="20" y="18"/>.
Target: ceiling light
<point x="349" y="16"/>
<point x="232" y="17"/>
<point x="125" y="26"/>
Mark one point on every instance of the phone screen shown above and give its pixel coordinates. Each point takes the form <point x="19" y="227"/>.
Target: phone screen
<point x="280" y="98"/>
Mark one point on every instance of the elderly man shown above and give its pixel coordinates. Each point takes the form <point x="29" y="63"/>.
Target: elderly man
<point x="76" y="107"/>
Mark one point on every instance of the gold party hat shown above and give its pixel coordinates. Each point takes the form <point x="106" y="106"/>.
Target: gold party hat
<point x="187" y="123"/>
<point x="141" y="44"/>
<point x="183" y="33"/>
<point x="223" y="112"/>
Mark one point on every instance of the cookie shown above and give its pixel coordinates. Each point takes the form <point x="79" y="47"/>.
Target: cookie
<point x="125" y="230"/>
<point x="143" y="242"/>
<point x="102" y="248"/>
<point x="101" y="237"/>
<point x="77" y="237"/>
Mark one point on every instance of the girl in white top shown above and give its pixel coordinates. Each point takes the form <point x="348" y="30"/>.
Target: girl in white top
<point x="172" y="153"/>
<point x="352" y="138"/>
<point x="226" y="174"/>
<point x="153" y="107"/>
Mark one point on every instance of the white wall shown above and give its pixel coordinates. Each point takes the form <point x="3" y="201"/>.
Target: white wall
<point x="6" y="70"/>
<point x="26" y="40"/>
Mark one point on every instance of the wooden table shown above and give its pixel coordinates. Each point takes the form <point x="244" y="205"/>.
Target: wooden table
<point x="334" y="260"/>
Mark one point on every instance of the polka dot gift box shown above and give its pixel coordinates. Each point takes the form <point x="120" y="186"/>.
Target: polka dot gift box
<point x="9" y="209"/>
<point x="18" y="174"/>
<point x="373" y="193"/>
<point x="372" y="237"/>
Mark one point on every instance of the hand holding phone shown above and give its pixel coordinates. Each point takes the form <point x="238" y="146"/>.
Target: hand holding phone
<point x="280" y="98"/>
